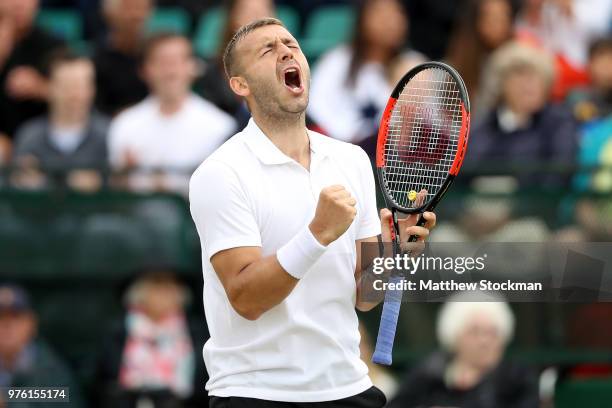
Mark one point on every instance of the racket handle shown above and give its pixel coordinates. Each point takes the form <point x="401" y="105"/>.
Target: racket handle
<point x="392" y="227"/>
<point x="388" y="324"/>
<point x="419" y="223"/>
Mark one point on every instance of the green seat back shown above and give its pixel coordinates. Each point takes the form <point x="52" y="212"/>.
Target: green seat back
<point x="65" y="24"/>
<point x="326" y="28"/>
<point x="169" y="19"/>
<point x="208" y="32"/>
<point x="210" y="28"/>
<point x="290" y="18"/>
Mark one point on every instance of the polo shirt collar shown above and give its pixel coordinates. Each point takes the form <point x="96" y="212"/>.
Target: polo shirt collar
<point x="267" y="152"/>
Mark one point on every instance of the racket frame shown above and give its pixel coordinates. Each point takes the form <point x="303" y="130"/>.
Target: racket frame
<point x="384" y="343"/>
<point x="383" y="134"/>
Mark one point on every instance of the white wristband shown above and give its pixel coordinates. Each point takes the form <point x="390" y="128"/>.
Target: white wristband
<point x="299" y="254"/>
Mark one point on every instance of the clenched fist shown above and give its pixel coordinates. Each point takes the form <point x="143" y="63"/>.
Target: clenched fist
<point x="334" y="215"/>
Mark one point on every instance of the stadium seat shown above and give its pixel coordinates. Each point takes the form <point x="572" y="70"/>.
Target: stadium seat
<point x="290" y="18"/>
<point x="584" y="393"/>
<point x="326" y="28"/>
<point x="65" y="24"/>
<point x="170" y="19"/>
<point x="208" y="32"/>
<point x="210" y="28"/>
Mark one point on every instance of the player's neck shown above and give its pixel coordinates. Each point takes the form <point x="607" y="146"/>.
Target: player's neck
<point x="288" y="134"/>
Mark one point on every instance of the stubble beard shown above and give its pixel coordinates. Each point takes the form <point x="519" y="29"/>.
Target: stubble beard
<point x="270" y="105"/>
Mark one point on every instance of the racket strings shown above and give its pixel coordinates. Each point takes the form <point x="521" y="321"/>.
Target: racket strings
<point x="423" y="136"/>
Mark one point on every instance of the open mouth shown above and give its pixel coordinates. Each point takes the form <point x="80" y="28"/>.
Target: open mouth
<point x="293" y="80"/>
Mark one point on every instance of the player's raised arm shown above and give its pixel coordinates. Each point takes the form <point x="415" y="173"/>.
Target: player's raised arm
<point x="254" y="283"/>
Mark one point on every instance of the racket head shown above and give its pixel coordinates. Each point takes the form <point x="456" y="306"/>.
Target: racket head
<point x="422" y="137"/>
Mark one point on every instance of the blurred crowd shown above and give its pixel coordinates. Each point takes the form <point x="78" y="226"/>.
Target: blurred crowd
<point x="134" y="105"/>
<point x="133" y="108"/>
<point x="151" y="357"/>
<point x="132" y="99"/>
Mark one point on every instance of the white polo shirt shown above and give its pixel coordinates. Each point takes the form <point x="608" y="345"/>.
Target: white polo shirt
<point x="175" y="144"/>
<point x="306" y="349"/>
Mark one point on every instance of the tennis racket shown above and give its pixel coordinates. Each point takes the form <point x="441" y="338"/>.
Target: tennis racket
<point x="421" y="144"/>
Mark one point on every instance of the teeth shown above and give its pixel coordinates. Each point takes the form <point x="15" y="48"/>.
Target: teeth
<point x="291" y="70"/>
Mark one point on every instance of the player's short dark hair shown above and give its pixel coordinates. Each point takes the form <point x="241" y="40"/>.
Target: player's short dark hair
<point x="229" y="60"/>
<point x="155" y="40"/>
<point x="600" y="46"/>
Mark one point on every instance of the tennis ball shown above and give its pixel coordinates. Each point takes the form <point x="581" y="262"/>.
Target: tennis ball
<point x="412" y="195"/>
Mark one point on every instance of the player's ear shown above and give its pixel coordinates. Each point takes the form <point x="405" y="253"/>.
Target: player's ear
<point x="240" y="86"/>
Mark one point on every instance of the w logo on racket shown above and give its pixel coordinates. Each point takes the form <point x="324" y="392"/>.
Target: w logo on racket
<point x="424" y="134"/>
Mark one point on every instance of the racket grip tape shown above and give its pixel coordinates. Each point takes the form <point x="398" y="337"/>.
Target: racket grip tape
<point x="388" y="323"/>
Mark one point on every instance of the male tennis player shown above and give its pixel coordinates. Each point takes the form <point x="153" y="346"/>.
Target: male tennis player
<point x="281" y="212"/>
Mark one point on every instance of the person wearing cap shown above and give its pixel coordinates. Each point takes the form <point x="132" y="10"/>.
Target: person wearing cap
<point x="25" y="360"/>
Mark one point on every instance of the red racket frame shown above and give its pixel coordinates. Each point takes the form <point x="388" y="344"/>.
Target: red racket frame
<point x="461" y="147"/>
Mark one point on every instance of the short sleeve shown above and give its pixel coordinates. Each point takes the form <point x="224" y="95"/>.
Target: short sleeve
<point x="221" y="210"/>
<point x="369" y="222"/>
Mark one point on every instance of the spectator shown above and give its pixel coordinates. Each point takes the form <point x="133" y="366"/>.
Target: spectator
<point x="565" y="28"/>
<point x="592" y="211"/>
<point x="351" y="84"/>
<point x="117" y="55"/>
<point x="485" y="26"/>
<point x="173" y="130"/>
<point x="72" y="136"/>
<point x="213" y="85"/>
<point x="23" y="52"/>
<point x="154" y="354"/>
<point x="470" y="371"/>
<point x="522" y="128"/>
<point x="596" y="151"/>
<point x="595" y="102"/>
<point x="26" y="361"/>
<point x="594" y="107"/>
